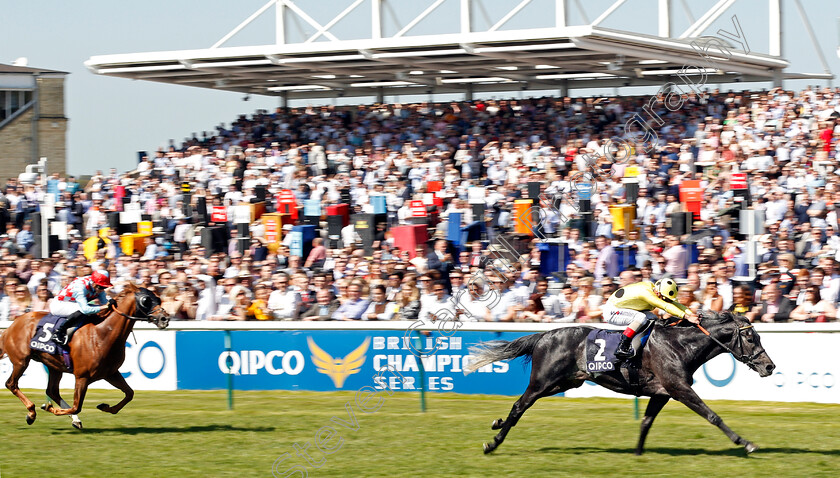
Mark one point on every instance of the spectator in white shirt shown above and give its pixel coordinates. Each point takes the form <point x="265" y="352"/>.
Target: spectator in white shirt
<point x="436" y="306"/>
<point x="283" y="302"/>
<point x="379" y="308"/>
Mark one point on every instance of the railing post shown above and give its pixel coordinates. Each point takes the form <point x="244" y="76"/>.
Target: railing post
<point x="422" y="371"/>
<point x="229" y="363"/>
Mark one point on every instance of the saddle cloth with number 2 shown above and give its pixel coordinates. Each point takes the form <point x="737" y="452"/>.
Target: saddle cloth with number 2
<point x="600" y="350"/>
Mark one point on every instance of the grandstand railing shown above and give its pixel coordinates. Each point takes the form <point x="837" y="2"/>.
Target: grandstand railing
<point x="826" y="327"/>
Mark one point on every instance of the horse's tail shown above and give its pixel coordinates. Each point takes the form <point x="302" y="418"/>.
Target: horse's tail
<point x="488" y="352"/>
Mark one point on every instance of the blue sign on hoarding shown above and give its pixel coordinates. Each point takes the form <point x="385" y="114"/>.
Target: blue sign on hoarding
<point x="325" y="360"/>
<point x="584" y="191"/>
<point x="311" y="207"/>
<point x="379" y="203"/>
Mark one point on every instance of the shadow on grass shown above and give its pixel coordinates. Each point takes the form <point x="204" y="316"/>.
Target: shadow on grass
<point x="154" y="430"/>
<point x="734" y="451"/>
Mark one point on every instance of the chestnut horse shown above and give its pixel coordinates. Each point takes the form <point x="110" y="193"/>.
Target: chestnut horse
<point x="97" y="352"/>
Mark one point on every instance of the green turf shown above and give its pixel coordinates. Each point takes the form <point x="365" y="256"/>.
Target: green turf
<point x="164" y="434"/>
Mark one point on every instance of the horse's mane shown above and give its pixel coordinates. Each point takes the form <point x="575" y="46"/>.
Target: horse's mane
<point x="717" y="318"/>
<point x="129" y="288"/>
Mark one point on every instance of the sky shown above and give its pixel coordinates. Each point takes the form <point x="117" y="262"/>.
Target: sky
<point x="111" y="119"/>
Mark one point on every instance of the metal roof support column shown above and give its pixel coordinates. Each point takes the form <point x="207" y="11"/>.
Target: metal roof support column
<point x="778" y="77"/>
<point x="376" y="19"/>
<point x="813" y="37"/>
<point x="466" y="19"/>
<point x="468" y="94"/>
<point x="380" y="95"/>
<point x="279" y="23"/>
<point x="775" y="12"/>
<point x="560" y="13"/>
<point x="564" y="88"/>
<point x="284" y="99"/>
<point x="665" y="18"/>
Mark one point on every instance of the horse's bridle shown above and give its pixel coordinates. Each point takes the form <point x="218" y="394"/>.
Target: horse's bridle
<point x="748" y="360"/>
<point x="147" y="318"/>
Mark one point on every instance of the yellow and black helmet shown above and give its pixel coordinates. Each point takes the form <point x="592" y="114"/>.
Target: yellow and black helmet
<point x="667" y="288"/>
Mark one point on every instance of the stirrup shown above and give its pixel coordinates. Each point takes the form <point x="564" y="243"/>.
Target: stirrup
<point x="625" y="354"/>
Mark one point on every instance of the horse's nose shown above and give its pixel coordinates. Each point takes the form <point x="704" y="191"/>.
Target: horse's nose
<point x="770" y="367"/>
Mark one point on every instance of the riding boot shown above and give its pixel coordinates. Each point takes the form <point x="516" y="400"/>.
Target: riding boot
<point x="60" y="332"/>
<point x="624" y="350"/>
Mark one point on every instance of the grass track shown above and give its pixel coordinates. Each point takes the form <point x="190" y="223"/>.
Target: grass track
<point x="163" y="434"/>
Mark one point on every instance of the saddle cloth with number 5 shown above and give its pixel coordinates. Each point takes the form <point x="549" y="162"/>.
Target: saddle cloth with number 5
<point x="43" y="341"/>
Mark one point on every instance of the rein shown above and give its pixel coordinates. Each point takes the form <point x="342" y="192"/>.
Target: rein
<point x="743" y="358"/>
<point x="131" y="317"/>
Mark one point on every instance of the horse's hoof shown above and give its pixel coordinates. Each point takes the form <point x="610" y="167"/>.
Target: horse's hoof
<point x="77" y="425"/>
<point x="497" y="423"/>
<point x="30" y="420"/>
<point x="750" y="447"/>
<point x="103" y="406"/>
<point x="487" y="448"/>
<point x="45" y="407"/>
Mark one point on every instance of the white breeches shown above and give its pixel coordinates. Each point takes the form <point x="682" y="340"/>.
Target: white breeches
<point x="625" y="317"/>
<point x="63" y="309"/>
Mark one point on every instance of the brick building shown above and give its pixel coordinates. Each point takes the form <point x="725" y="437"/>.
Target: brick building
<point x="32" y="120"/>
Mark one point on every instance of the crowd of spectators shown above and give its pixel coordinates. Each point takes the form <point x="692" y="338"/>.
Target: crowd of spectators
<point x="785" y="142"/>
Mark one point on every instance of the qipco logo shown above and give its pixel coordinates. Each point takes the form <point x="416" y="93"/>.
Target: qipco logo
<point x="805" y="379"/>
<point x="151" y="361"/>
<point x="250" y="362"/>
